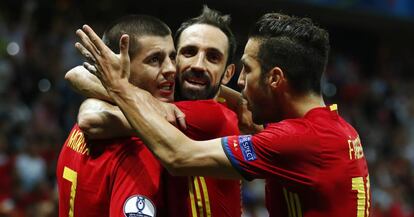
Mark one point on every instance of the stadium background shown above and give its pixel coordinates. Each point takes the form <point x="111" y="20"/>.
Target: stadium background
<point x="370" y="75"/>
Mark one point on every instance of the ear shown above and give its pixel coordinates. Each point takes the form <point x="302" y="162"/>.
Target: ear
<point x="276" y="77"/>
<point x="228" y="74"/>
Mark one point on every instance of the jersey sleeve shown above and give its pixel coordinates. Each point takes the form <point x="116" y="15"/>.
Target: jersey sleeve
<point x="207" y="119"/>
<point x="136" y="183"/>
<point x="275" y="152"/>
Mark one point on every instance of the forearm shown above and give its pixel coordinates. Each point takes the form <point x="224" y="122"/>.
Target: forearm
<point x="86" y="84"/>
<point x="179" y="154"/>
<point x="231" y="96"/>
<point x="100" y="120"/>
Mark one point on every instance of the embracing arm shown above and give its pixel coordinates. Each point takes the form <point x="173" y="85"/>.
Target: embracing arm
<point x="101" y="120"/>
<point x="231" y="96"/>
<point x="86" y="83"/>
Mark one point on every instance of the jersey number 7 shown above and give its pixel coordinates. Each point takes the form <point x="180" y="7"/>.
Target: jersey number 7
<point x="72" y="177"/>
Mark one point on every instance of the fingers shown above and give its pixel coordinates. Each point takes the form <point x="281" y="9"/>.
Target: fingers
<point x="85" y="53"/>
<point x="91" y="68"/>
<point x="124" y="48"/>
<point x="86" y="42"/>
<point x="171" y="119"/>
<point x="94" y="38"/>
<point x="180" y="116"/>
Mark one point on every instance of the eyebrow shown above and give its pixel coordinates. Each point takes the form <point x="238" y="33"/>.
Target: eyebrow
<point x="216" y="50"/>
<point x="154" y="51"/>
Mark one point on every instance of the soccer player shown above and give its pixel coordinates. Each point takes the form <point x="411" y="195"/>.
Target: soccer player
<point x="120" y="177"/>
<point x="311" y="158"/>
<point x="206" y="47"/>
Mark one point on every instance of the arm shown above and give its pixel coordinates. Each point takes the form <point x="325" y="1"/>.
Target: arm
<point x="178" y="153"/>
<point x="231" y="96"/>
<point x="86" y="84"/>
<point x="101" y="120"/>
<point x="238" y="104"/>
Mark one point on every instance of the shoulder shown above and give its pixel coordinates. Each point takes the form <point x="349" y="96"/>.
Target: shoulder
<point x="290" y="131"/>
<point x="206" y="108"/>
<point x="200" y="104"/>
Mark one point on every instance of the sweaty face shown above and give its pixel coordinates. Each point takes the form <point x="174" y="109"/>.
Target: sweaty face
<point x="153" y="67"/>
<point x="254" y="91"/>
<point x="201" y="61"/>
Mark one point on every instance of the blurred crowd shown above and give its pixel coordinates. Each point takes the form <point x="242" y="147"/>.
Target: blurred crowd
<point x="37" y="110"/>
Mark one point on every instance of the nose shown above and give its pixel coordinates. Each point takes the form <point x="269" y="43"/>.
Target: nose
<point x="169" y="70"/>
<point x="242" y="80"/>
<point x="199" y="64"/>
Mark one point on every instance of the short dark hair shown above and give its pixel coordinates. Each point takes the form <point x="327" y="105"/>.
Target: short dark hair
<point x="135" y="26"/>
<point x="296" y="45"/>
<point x="214" y="18"/>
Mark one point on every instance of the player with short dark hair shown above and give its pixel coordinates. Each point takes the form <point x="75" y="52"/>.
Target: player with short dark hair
<point x="120" y="176"/>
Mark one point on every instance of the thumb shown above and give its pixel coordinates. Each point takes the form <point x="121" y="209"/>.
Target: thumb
<point x="180" y="116"/>
<point x="124" y="48"/>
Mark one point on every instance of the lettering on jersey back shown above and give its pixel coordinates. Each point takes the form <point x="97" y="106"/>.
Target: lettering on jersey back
<point x="355" y="149"/>
<point x="77" y="142"/>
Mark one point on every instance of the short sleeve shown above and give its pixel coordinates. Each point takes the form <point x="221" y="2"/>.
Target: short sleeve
<point x="280" y="151"/>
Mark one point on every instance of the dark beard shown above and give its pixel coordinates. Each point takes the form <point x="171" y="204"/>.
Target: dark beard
<point x="189" y="94"/>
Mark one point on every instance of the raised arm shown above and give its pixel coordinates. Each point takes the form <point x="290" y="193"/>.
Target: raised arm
<point x="100" y="120"/>
<point x="178" y="153"/>
<point x="86" y="83"/>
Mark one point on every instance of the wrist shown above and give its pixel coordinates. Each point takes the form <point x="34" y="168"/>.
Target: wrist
<point x="118" y="87"/>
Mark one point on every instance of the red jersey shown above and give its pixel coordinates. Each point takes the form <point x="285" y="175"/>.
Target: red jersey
<point x="203" y="196"/>
<point x="118" y="177"/>
<point x="314" y="166"/>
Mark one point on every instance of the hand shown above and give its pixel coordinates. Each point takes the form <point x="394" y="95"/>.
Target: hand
<point x="111" y="69"/>
<point x="173" y="115"/>
<point x="167" y="110"/>
<point x="246" y="124"/>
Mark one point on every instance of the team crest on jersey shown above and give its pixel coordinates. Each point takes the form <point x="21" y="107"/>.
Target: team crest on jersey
<point x="139" y="206"/>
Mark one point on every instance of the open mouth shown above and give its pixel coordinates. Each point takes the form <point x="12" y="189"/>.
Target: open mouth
<point x="196" y="82"/>
<point x="166" y="88"/>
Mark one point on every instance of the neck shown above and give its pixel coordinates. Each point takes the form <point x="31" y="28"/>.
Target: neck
<point x="297" y="105"/>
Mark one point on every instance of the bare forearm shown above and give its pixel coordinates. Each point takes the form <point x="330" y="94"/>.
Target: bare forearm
<point x="101" y="120"/>
<point x="231" y="96"/>
<point x="86" y="84"/>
